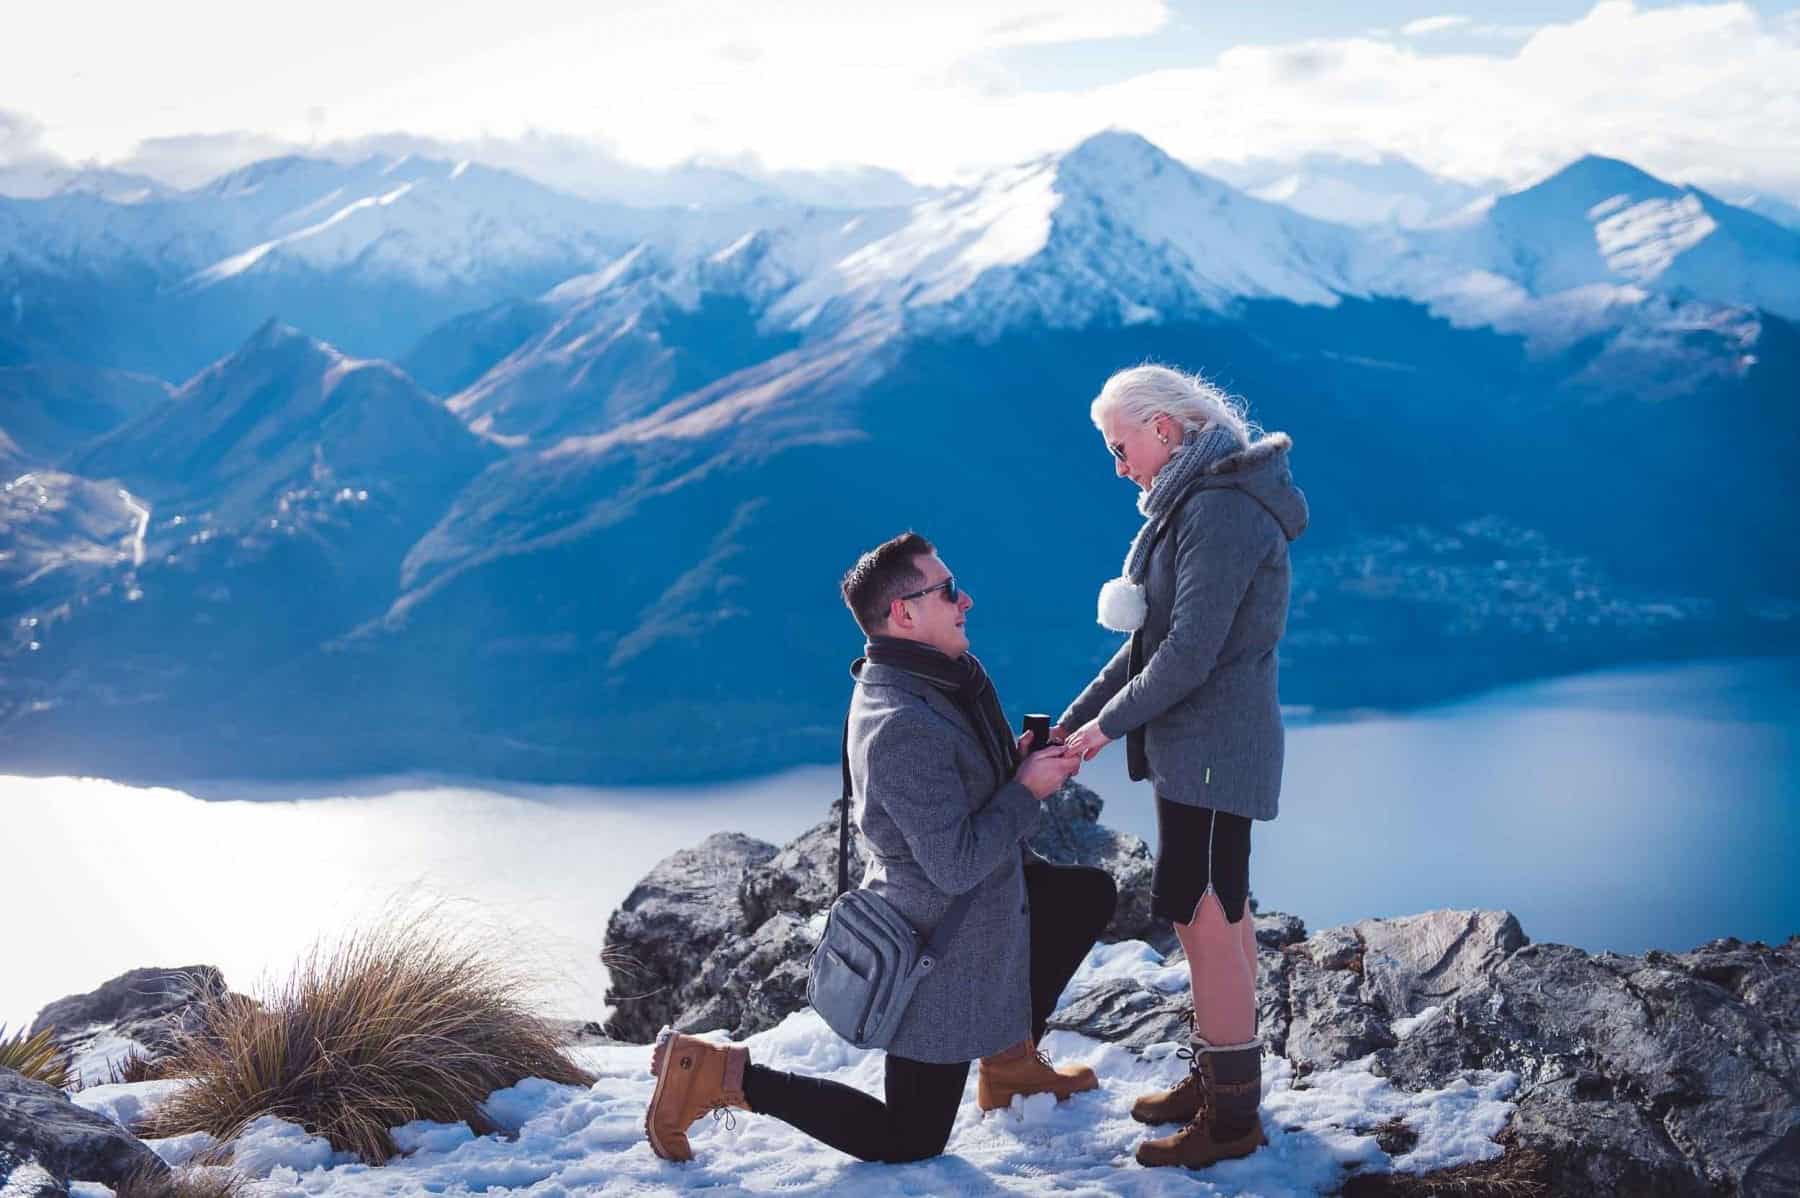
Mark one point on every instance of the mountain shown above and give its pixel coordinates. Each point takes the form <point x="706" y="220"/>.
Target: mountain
<point x="1390" y="191"/>
<point x="1774" y="208"/>
<point x="286" y="415"/>
<point x="371" y="254"/>
<point x="50" y="409"/>
<point x="275" y="494"/>
<point x="1603" y="225"/>
<point x="606" y="548"/>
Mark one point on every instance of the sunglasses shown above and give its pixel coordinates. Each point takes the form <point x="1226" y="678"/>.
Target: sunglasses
<point x="948" y="586"/>
<point x="1117" y="448"/>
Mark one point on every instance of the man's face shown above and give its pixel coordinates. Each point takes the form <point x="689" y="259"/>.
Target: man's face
<point x="931" y="618"/>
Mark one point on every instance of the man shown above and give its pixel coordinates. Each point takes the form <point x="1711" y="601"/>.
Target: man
<point x="945" y="800"/>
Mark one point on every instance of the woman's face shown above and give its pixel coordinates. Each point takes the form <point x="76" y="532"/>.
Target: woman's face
<point x="1138" y="450"/>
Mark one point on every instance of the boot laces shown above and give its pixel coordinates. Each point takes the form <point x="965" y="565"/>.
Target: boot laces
<point x="722" y="1113"/>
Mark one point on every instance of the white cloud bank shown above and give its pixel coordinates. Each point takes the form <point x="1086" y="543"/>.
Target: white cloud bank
<point x="1708" y="93"/>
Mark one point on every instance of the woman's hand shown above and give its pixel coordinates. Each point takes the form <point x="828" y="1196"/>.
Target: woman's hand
<point x="1088" y="740"/>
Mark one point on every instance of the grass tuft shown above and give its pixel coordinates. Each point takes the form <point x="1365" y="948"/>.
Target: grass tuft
<point x="182" y="1183"/>
<point x="36" y="1057"/>
<point x="133" y="1067"/>
<point x="407" y="1021"/>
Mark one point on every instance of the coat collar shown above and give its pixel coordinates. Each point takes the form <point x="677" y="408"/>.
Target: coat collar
<point x="869" y="673"/>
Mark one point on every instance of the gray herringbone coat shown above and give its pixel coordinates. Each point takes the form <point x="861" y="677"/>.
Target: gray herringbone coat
<point x="1217" y="593"/>
<point x="938" y="818"/>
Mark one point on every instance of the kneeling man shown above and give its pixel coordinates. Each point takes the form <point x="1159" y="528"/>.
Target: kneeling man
<point x="945" y="800"/>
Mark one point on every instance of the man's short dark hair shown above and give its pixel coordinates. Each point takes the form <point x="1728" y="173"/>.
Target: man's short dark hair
<point x="882" y="575"/>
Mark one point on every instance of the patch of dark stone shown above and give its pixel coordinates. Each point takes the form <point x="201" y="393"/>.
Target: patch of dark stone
<point x="46" y="1141"/>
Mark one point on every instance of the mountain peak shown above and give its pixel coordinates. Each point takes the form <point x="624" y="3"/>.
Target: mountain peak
<point x="1592" y="178"/>
<point x="1116" y="153"/>
<point x="273" y="333"/>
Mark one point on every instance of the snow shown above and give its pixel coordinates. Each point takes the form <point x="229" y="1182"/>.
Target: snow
<point x="95" y="1062"/>
<point x="567" y="1140"/>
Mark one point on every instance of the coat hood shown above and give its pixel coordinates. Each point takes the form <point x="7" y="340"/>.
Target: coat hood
<point x="1261" y="471"/>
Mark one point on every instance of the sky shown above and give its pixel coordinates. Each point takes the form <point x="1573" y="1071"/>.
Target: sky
<point x="933" y="89"/>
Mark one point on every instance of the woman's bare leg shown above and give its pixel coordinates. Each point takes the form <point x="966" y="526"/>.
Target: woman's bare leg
<point x="1223" y="981"/>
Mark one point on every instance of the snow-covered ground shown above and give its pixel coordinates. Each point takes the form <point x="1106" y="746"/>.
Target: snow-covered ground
<point x="566" y="1140"/>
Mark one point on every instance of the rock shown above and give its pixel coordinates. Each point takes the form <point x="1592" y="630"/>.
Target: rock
<point x="753" y="982"/>
<point x="1070" y="833"/>
<point x="659" y="937"/>
<point x="1277" y="930"/>
<point x="1667" y="1073"/>
<point x="150" y="1007"/>
<point x="802" y="879"/>
<point x="1121" y="1011"/>
<point x="1417" y="961"/>
<point x="22" y="1176"/>
<point x="40" y="1126"/>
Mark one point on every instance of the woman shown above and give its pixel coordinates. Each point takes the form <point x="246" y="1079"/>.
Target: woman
<point x="1204" y="596"/>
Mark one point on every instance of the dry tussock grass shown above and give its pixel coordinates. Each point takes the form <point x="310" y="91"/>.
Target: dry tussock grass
<point x="36" y="1057"/>
<point x="182" y="1183"/>
<point x="410" y="1020"/>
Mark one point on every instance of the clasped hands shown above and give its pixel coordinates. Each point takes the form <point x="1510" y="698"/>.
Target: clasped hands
<point x="1045" y="770"/>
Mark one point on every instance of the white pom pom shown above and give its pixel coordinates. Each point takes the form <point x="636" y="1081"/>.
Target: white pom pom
<point x="1122" y="605"/>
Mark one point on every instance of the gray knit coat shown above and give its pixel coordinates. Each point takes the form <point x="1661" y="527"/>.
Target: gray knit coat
<point x="1217" y="593"/>
<point x="939" y="818"/>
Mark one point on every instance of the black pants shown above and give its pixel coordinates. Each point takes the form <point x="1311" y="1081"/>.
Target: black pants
<point x="1070" y="906"/>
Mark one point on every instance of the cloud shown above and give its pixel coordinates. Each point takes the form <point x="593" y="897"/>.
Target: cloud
<point x="22" y="140"/>
<point x="1429" y="25"/>
<point x="1695" y="91"/>
<point x="1708" y="93"/>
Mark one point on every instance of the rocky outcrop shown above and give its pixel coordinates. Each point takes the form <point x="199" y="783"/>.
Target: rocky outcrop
<point x="669" y="925"/>
<point x="694" y="948"/>
<point x="1666" y="1074"/>
<point x="146" y="1008"/>
<point x="46" y="1141"/>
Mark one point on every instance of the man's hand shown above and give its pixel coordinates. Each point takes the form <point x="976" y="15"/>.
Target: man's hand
<point x="1045" y="771"/>
<point x="1089" y="740"/>
<point x="1058" y="734"/>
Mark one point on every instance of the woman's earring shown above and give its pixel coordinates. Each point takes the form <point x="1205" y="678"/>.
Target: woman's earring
<point x="1163" y="437"/>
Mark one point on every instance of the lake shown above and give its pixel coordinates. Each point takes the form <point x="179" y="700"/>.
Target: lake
<point x="1625" y="810"/>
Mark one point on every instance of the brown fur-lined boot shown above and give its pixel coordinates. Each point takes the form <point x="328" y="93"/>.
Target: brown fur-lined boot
<point x="1227" y="1125"/>
<point x="692" y="1078"/>
<point x="1022" y="1069"/>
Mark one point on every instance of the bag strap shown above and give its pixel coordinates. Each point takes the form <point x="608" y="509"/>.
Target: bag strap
<point x="844" y="817"/>
<point x="946" y="929"/>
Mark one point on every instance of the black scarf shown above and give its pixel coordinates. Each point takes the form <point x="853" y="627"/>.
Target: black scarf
<point x="966" y="684"/>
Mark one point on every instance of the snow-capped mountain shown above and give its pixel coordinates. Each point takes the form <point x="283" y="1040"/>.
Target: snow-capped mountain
<point x="1390" y="191"/>
<point x="1602" y="227"/>
<point x="40" y="180"/>
<point x="1111" y="232"/>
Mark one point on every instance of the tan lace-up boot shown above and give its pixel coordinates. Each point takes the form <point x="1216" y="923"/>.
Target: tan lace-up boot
<point x="1022" y="1069"/>
<point x="1227" y="1125"/>
<point x="1177" y="1105"/>
<point x="692" y="1078"/>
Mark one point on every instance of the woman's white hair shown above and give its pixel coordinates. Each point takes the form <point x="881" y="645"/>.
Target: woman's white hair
<point x="1142" y="393"/>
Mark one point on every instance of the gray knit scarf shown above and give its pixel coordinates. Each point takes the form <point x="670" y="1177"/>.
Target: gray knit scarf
<point x="1121" y="600"/>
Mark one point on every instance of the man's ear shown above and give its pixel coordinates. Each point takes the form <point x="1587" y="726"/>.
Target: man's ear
<point x="898" y="616"/>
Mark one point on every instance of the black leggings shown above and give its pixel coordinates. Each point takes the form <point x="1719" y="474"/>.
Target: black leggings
<point x="1070" y="906"/>
<point x="1197" y="847"/>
